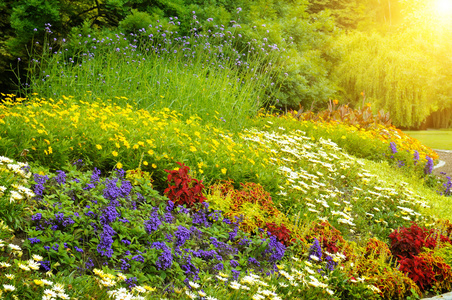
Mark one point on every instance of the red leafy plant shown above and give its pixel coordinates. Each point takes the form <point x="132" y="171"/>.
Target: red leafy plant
<point x="427" y="270"/>
<point x="282" y="233"/>
<point x="182" y="189"/>
<point x="407" y="242"/>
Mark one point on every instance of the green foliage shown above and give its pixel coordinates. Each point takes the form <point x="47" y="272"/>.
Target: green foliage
<point x="135" y="21"/>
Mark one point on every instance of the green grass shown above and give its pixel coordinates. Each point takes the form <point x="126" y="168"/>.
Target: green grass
<point x="196" y="75"/>
<point x="436" y="139"/>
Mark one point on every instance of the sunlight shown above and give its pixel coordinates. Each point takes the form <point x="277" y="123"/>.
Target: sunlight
<point x="444" y="7"/>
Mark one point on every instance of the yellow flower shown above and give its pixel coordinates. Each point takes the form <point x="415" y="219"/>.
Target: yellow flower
<point x="38" y="282"/>
<point x="114" y="153"/>
<point x="151" y="152"/>
<point x="150" y="289"/>
<point x="99" y="147"/>
<point x="193" y="149"/>
<point x="154" y="166"/>
<point x="343" y="137"/>
<point x="119" y="165"/>
<point x="224" y="170"/>
<point x="145" y="163"/>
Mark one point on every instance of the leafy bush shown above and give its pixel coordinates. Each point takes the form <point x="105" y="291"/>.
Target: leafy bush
<point x="428" y="270"/>
<point x="185" y="190"/>
<point x="409" y="242"/>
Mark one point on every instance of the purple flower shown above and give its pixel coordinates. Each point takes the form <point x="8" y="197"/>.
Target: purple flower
<point x="428" y="166"/>
<point x="252" y="260"/>
<point x="168" y="217"/>
<point x="95" y="176"/>
<point x="38" y="188"/>
<point x="124" y="265"/>
<point x="139" y="258"/>
<point x="153" y="223"/>
<point x="393" y="147"/>
<point x="36" y="217"/>
<point x="331" y="264"/>
<point x="235" y="274"/>
<point x="234" y="263"/>
<point x="45" y="265"/>
<point x="132" y="282"/>
<point x="182" y="235"/>
<point x="109" y="215"/>
<point x="61" y="177"/>
<point x="416" y="157"/>
<point x="34" y="240"/>
<point x="165" y="260"/>
<point x="106" y="241"/>
<point x="315" y="250"/>
<point x="89" y="264"/>
<point x="170" y="206"/>
<point x="233" y="234"/>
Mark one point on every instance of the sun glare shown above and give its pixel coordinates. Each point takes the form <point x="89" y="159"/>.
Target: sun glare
<point x="444" y="7"/>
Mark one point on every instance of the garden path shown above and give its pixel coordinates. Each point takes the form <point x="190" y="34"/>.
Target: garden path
<point x="446" y="157"/>
<point x="447" y="296"/>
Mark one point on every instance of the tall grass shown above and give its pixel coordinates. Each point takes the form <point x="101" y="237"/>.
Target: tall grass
<point x="214" y="74"/>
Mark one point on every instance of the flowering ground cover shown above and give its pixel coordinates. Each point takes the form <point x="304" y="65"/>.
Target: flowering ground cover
<point x="159" y="195"/>
<point x="273" y="211"/>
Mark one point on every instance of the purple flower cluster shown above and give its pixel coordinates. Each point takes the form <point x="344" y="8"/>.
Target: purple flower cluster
<point x="34" y="240"/>
<point x="393" y="147"/>
<point x="182" y="234"/>
<point x="61" y="177"/>
<point x="428" y="169"/>
<point x="276" y="250"/>
<point x="447" y="187"/>
<point x="106" y="241"/>
<point x="38" y="188"/>
<point x="165" y="260"/>
<point x="315" y="250"/>
<point x="223" y="248"/>
<point x="109" y="215"/>
<point x="153" y="223"/>
<point x="330" y="263"/>
<point x="113" y="192"/>
<point x="416" y="157"/>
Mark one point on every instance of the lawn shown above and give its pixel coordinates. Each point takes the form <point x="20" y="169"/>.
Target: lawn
<point x="436" y="139"/>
